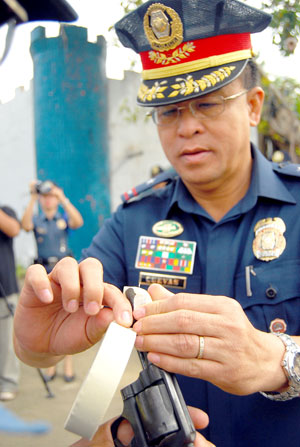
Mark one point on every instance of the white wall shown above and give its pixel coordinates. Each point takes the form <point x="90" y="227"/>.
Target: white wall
<point x="17" y="166"/>
<point x="134" y="144"/>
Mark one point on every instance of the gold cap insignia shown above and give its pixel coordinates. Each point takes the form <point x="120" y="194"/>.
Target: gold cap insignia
<point x="269" y="242"/>
<point x="167" y="228"/>
<point x="163" y="27"/>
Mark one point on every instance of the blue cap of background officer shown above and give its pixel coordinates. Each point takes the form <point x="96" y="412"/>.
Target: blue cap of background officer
<point x="189" y="48"/>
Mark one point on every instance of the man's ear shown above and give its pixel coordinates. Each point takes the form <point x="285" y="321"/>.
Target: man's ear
<point x="255" y="98"/>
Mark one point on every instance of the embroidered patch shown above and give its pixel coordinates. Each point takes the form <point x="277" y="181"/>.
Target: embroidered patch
<point x="167" y="228"/>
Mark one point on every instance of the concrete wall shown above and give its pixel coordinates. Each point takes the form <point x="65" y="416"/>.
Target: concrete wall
<point x="133" y="148"/>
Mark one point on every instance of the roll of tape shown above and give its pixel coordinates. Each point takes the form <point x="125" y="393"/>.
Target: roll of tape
<point x="91" y="407"/>
<point x="97" y="390"/>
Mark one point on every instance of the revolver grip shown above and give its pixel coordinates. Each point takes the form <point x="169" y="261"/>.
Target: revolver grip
<point x="156" y="410"/>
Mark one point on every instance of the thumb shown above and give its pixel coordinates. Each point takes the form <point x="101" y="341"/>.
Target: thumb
<point x="158" y="292"/>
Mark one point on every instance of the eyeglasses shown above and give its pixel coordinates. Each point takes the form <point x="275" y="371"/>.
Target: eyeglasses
<point x="202" y="108"/>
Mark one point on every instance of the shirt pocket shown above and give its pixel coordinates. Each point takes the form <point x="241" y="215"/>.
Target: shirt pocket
<point x="275" y="294"/>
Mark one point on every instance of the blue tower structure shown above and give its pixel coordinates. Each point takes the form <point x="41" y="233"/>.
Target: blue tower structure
<point x="71" y="137"/>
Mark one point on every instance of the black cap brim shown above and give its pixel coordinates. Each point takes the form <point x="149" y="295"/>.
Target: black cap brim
<point x="178" y="88"/>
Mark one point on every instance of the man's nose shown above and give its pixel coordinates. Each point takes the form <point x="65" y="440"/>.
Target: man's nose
<point x="188" y="124"/>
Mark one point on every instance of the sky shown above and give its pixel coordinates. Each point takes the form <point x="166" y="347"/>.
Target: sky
<point x="98" y="16"/>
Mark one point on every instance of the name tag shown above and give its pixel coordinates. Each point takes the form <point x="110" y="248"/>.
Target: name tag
<point x="177" y="282"/>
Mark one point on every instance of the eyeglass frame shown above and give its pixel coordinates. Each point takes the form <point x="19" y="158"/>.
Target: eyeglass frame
<point x="189" y="106"/>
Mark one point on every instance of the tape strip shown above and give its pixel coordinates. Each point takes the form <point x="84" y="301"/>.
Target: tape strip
<point x="97" y="390"/>
<point x="91" y="407"/>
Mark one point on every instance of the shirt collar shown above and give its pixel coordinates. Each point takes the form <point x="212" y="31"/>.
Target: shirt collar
<point x="264" y="183"/>
<point x="55" y="217"/>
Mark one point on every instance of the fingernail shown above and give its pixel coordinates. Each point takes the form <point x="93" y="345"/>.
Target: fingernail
<point x="140" y="312"/>
<point x="139" y="341"/>
<point x="154" y="358"/>
<point x="137" y="327"/>
<point x="126" y="317"/>
<point x="92" y="308"/>
<point x="45" y="296"/>
<point x="72" y="306"/>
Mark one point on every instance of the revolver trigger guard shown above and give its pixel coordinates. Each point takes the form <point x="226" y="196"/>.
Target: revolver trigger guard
<point x="114" y="431"/>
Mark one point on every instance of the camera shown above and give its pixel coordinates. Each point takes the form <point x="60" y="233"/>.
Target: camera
<point x="43" y="187"/>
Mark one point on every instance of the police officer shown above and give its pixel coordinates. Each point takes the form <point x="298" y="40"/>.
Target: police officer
<point x="51" y="229"/>
<point x="223" y="235"/>
<point x="50" y="226"/>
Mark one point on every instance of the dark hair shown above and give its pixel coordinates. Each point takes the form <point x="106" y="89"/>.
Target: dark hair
<point x="250" y="76"/>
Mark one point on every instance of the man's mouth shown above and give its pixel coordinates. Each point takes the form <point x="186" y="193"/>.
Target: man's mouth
<point x="196" y="154"/>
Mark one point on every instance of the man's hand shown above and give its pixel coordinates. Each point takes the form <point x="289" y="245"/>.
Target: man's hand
<point x="237" y="357"/>
<point x="103" y="436"/>
<point x="62" y="313"/>
<point x="58" y="193"/>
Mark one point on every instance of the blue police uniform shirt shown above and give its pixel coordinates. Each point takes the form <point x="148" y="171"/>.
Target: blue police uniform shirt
<point x="51" y="235"/>
<point x="224" y="252"/>
<point x="8" y="279"/>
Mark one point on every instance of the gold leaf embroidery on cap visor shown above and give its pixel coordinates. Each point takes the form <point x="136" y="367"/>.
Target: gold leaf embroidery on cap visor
<point x="184" y="86"/>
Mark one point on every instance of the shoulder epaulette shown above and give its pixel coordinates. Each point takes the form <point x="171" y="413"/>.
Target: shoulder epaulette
<point x="287" y="168"/>
<point x="166" y="176"/>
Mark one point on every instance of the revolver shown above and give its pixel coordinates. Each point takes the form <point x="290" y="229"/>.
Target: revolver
<point x="155" y="407"/>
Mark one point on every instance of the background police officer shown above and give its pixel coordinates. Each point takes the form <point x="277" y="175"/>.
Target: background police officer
<point x="51" y="228"/>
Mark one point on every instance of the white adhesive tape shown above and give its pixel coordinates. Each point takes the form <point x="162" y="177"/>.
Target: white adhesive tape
<point x="92" y="406"/>
<point x="97" y="391"/>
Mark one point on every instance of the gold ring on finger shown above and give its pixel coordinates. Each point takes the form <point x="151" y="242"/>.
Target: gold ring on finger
<point x="201" y="347"/>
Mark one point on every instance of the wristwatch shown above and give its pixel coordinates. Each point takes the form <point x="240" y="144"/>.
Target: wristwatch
<point x="291" y="366"/>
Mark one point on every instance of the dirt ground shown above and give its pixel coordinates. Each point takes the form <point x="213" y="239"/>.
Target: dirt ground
<point x="32" y="403"/>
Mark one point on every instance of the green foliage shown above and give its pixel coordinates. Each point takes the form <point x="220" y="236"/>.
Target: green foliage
<point x="290" y="90"/>
<point x="285" y="22"/>
<point x="130" y="5"/>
